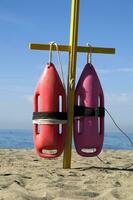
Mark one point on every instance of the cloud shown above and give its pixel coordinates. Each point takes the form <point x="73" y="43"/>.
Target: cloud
<point x="28" y="98"/>
<point x="118" y="98"/>
<point x="119" y="105"/>
<point x="9" y="18"/>
<point x="119" y="101"/>
<point x="117" y="70"/>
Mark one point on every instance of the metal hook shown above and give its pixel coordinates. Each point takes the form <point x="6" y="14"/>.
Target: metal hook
<point x="89" y="54"/>
<point x="58" y="55"/>
<point x="50" y="52"/>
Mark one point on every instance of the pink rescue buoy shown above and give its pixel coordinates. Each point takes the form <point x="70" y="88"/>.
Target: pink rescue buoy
<point x="89" y="129"/>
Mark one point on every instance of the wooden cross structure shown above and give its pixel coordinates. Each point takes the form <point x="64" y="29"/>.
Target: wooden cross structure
<point x="72" y="49"/>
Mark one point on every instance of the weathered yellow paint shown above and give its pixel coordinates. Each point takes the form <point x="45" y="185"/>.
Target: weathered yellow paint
<point x="47" y="47"/>
<point x="71" y="82"/>
<point x="67" y="48"/>
<point x="103" y="50"/>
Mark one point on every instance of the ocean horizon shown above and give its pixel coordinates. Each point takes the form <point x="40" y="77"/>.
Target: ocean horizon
<point x="23" y="139"/>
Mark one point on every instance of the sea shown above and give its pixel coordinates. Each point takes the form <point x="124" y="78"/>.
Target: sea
<point x="23" y="139"/>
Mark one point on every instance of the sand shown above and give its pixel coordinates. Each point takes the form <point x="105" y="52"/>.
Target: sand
<point x="25" y="176"/>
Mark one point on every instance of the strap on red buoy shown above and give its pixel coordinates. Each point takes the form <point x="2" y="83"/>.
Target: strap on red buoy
<point x="49" y="117"/>
<point x="61" y="117"/>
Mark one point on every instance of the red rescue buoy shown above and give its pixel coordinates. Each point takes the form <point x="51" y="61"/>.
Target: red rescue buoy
<point x="89" y="109"/>
<point x="49" y="129"/>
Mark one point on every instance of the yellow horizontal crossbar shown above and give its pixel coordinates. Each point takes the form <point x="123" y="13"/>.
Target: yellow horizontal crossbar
<point x="82" y="49"/>
<point x="47" y="47"/>
<point x="96" y="50"/>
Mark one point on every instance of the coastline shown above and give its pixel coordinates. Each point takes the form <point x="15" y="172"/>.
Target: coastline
<point x="20" y="139"/>
<point x="23" y="175"/>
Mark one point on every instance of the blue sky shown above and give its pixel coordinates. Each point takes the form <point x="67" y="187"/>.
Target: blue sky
<point x="101" y="23"/>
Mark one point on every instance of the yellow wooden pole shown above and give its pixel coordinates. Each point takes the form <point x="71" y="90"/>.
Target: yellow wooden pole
<point x="71" y="81"/>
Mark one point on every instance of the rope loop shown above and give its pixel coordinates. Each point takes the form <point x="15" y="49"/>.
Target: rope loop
<point x="89" y="54"/>
<point x="59" y="60"/>
<point x="50" y="52"/>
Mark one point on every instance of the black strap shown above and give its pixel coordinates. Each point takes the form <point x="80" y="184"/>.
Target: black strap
<point x="100" y="111"/>
<point x="79" y="111"/>
<point x="89" y="111"/>
<point x="50" y="115"/>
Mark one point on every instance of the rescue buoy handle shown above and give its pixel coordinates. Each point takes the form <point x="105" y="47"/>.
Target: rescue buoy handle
<point x="46" y="155"/>
<point x="36" y="102"/>
<point x="101" y="118"/>
<point x="91" y="154"/>
<point x="35" y="105"/>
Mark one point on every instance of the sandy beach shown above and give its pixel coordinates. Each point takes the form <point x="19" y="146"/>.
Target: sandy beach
<point x="25" y="176"/>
